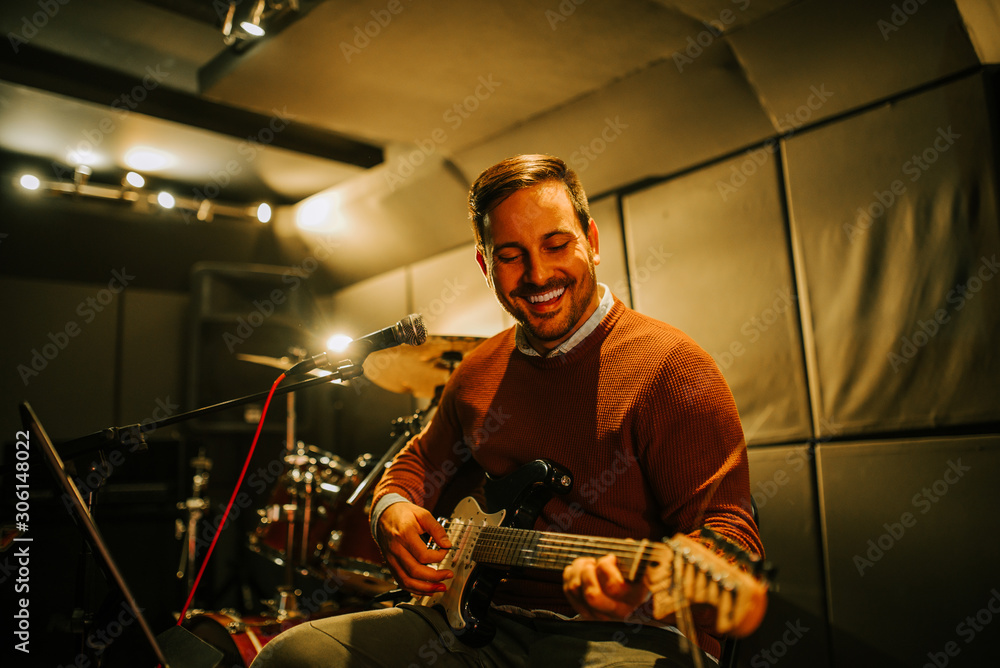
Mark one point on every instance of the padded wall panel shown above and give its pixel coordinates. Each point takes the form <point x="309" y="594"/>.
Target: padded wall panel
<point x="613" y="269"/>
<point x="153" y="356"/>
<point x="913" y="541"/>
<point x="848" y="54"/>
<point x="894" y="218"/>
<point x="712" y="258"/>
<point x="794" y="630"/>
<point x="59" y="354"/>
<point x="655" y="122"/>
<point x="449" y="289"/>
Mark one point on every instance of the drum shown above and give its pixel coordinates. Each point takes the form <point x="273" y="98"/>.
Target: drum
<point x="239" y="638"/>
<point x="298" y="516"/>
<point x="349" y="554"/>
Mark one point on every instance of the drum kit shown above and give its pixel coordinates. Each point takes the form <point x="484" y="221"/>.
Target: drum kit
<point x="315" y="521"/>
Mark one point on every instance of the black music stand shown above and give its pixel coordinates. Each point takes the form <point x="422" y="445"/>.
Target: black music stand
<point x="174" y="648"/>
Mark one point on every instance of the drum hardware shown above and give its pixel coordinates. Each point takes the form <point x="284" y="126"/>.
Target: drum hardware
<point x="195" y="507"/>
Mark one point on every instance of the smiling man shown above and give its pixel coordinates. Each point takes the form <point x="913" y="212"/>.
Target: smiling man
<point x="617" y="398"/>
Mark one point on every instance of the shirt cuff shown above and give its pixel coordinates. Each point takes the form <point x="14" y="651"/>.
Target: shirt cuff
<point x="380" y="507"/>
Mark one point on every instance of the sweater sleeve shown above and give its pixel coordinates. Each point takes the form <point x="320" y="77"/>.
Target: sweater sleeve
<point x="693" y="447"/>
<point x="429" y="460"/>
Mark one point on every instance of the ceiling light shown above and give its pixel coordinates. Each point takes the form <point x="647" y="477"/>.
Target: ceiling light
<point x="147" y="159"/>
<point x="135" y="179"/>
<point x="165" y="199"/>
<point x="264" y="212"/>
<point x="252" y="26"/>
<point x="29" y="182"/>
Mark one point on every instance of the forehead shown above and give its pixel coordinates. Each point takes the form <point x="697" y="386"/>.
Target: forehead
<point x="532" y="212"/>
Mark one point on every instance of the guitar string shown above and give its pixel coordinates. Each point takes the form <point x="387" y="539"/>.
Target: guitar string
<point x="563" y="548"/>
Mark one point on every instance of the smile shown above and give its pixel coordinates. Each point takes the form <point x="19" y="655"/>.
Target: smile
<point x="546" y="296"/>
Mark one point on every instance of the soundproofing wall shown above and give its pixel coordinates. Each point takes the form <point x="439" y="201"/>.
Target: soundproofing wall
<point x="894" y="220"/>
<point x="912" y="541"/>
<point x="708" y="253"/>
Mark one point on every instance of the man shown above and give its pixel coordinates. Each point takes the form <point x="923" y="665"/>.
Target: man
<point x="631" y="406"/>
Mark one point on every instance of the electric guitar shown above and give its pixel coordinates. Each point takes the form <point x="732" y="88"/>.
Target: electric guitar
<point x="678" y="572"/>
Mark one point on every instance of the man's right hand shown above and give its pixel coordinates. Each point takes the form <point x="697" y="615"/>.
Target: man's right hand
<point x="400" y="530"/>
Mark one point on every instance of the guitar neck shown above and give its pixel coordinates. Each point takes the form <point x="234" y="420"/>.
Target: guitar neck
<point x="512" y="547"/>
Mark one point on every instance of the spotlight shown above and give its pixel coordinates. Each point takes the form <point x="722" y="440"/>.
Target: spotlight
<point x="165" y="199"/>
<point x="252" y="26"/>
<point x="135" y="179"/>
<point x="264" y="212"/>
<point x="29" y="182"/>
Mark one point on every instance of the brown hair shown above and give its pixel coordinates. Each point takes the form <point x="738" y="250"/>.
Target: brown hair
<point x="501" y="180"/>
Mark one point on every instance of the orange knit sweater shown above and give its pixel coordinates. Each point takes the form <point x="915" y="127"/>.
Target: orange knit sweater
<point x="638" y="413"/>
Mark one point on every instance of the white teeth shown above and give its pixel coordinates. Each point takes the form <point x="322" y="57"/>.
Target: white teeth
<point x="535" y="299"/>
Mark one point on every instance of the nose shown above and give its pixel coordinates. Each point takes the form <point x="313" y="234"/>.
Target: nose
<point x="538" y="270"/>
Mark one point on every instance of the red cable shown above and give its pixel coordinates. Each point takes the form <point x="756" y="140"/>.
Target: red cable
<point x="232" y="498"/>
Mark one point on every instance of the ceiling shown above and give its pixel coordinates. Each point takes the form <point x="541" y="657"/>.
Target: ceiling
<point x="351" y="96"/>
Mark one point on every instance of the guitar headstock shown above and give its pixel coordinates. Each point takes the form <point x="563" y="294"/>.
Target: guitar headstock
<point x="685" y="572"/>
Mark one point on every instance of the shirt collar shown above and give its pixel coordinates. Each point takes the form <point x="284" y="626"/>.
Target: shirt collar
<point x="607" y="301"/>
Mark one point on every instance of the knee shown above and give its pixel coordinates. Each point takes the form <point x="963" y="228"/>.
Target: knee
<point x="301" y="647"/>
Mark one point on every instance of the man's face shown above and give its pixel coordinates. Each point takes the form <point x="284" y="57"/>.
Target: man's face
<point x="540" y="264"/>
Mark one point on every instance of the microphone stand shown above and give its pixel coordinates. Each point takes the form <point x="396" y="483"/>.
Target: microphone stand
<point x="134" y="434"/>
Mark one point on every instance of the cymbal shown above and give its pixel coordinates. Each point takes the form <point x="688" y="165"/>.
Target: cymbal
<point x="283" y="363"/>
<point x="418" y="370"/>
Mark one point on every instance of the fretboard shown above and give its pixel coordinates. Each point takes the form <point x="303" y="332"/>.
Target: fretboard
<point x="511" y="547"/>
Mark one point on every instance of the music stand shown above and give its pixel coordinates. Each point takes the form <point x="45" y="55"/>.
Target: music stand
<point x="174" y="648"/>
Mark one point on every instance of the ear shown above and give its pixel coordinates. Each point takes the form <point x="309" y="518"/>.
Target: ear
<point x="482" y="265"/>
<point x="595" y="242"/>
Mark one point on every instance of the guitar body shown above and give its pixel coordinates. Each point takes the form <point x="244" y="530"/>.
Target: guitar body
<point x="520" y="498"/>
<point x="678" y="571"/>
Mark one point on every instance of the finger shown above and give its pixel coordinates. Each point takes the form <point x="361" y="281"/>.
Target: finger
<point x="434" y="528"/>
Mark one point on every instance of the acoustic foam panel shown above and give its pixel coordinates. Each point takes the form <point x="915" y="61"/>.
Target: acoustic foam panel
<point x="59" y="354"/>
<point x="656" y="122"/>
<point x="817" y="59"/>
<point x="449" y="289"/>
<point x="794" y="631"/>
<point x="152" y="357"/>
<point x="613" y="269"/>
<point x="894" y="221"/>
<point x="708" y="253"/>
<point x="912" y="543"/>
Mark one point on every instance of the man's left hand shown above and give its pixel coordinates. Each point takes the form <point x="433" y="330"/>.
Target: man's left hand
<point x="597" y="589"/>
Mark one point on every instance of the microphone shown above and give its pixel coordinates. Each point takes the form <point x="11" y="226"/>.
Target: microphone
<point x="410" y="330"/>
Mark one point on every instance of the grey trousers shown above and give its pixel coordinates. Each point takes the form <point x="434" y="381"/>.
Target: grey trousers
<point x="416" y="637"/>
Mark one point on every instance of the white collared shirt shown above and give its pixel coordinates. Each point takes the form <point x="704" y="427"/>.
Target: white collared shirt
<point x="607" y="301"/>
